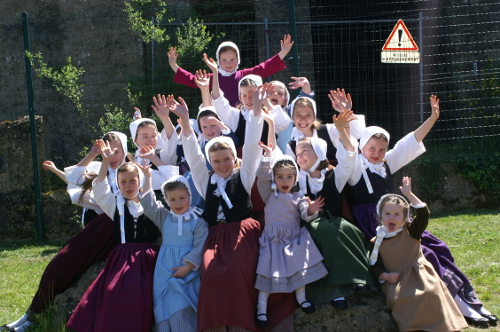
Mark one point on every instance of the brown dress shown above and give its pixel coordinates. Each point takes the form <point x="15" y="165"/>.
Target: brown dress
<point x="419" y="300"/>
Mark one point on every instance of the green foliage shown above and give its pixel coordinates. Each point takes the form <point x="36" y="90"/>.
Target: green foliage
<point x="192" y="40"/>
<point x="482" y="170"/>
<point x="140" y="13"/>
<point x="66" y="81"/>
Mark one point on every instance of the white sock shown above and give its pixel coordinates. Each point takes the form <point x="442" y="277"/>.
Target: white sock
<point x="339" y="299"/>
<point x="483" y="311"/>
<point x="262" y="302"/>
<point x="24" y="326"/>
<point x="465" y="309"/>
<point x="19" y="322"/>
<point x="300" y="295"/>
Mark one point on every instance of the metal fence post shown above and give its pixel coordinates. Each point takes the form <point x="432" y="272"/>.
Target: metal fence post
<point x="34" y="153"/>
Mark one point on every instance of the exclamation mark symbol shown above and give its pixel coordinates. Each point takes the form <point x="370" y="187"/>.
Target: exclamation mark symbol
<point x="400" y="34"/>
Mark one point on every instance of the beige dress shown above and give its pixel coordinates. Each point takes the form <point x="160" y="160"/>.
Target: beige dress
<point x="419" y="300"/>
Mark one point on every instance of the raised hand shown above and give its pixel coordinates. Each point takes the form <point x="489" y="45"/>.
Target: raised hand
<point x="435" y="106"/>
<point x="179" y="109"/>
<point x="160" y="106"/>
<point x="202" y="79"/>
<point x="147" y="152"/>
<point x="146" y="169"/>
<point x="49" y="166"/>
<point x="106" y="151"/>
<point x="342" y="119"/>
<point x="95" y="149"/>
<point x="315" y="206"/>
<point x="406" y="186"/>
<point x="210" y="63"/>
<point x="298" y="82"/>
<point x="286" y="46"/>
<point x="340" y="100"/>
<point x="260" y="94"/>
<point x="172" y="57"/>
<point x="137" y="114"/>
<point x="268" y="149"/>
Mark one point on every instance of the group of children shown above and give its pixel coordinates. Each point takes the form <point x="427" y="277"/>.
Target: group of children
<point x="275" y="211"/>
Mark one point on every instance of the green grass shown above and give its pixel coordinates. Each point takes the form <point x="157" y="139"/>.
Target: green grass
<point x="473" y="237"/>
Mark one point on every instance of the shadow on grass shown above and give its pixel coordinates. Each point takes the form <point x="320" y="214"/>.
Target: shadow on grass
<point x="16" y="244"/>
<point x="475" y="212"/>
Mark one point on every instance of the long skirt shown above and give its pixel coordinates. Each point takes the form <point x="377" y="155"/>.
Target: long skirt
<point x="94" y="242"/>
<point x="228" y="272"/>
<point x="121" y="297"/>
<point x="346" y="257"/>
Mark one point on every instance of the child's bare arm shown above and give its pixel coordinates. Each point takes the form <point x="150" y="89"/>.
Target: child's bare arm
<point x="424" y="129"/>
<point x="49" y="166"/>
<point x="93" y="153"/>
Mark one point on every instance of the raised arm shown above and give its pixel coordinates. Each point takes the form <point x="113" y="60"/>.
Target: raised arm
<point x="162" y="111"/>
<point x="424" y="129"/>
<point x="49" y="166"/>
<point x="202" y="80"/>
<point x="300" y="82"/>
<point x="93" y="153"/>
<point x="216" y="92"/>
<point x="181" y="110"/>
<point x="286" y="45"/>
<point x="172" y="59"/>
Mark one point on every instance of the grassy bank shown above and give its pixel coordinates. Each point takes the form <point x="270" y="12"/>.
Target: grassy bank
<point x="473" y="237"/>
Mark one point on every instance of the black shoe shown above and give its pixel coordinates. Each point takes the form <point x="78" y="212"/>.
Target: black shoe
<point x="492" y="318"/>
<point x="261" y="323"/>
<point x="362" y="289"/>
<point x="308" y="310"/>
<point x="477" y="321"/>
<point x="340" y="304"/>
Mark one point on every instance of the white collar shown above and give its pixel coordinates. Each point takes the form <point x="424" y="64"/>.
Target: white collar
<point x="382" y="233"/>
<point x="377" y="168"/>
<point x="221" y="187"/>
<point x="226" y="73"/>
<point x="192" y="213"/>
<point x="315" y="184"/>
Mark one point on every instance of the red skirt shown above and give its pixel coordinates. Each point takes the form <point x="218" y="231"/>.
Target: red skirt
<point x="94" y="242"/>
<point x="121" y="297"/>
<point x="227" y="293"/>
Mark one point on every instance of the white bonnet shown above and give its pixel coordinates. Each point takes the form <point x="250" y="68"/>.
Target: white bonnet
<point x="306" y="98"/>
<point x="228" y="44"/>
<point x="283" y="157"/>
<point x="134" y="126"/>
<point x="177" y="178"/>
<point x="255" y="78"/>
<point x="320" y="147"/>
<point x="379" y="204"/>
<point x="287" y="94"/>
<point x="222" y="139"/>
<point x="369" y="132"/>
<point x="123" y="141"/>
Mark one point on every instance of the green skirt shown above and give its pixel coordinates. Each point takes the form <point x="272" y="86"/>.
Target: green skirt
<point x="346" y="257"/>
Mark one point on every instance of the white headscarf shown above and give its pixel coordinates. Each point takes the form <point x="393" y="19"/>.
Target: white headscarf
<point x="192" y="212"/>
<point x="236" y="49"/>
<point x="112" y="173"/>
<point x="202" y="140"/>
<point x="315" y="184"/>
<point x="377" y="168"/>
<point x="134" y="126"/>
<point x="216" y="179"/>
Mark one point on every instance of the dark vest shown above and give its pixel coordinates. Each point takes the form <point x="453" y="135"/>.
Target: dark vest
<point x="358" y="194"/>
<point x="333" y="199"/>
<point x="240" y="131"/>
<point x="242" y="205"/>
<point x="147" y="232"/>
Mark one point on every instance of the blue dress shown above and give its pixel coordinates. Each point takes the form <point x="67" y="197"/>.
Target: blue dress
<point x="171" y="294"/>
